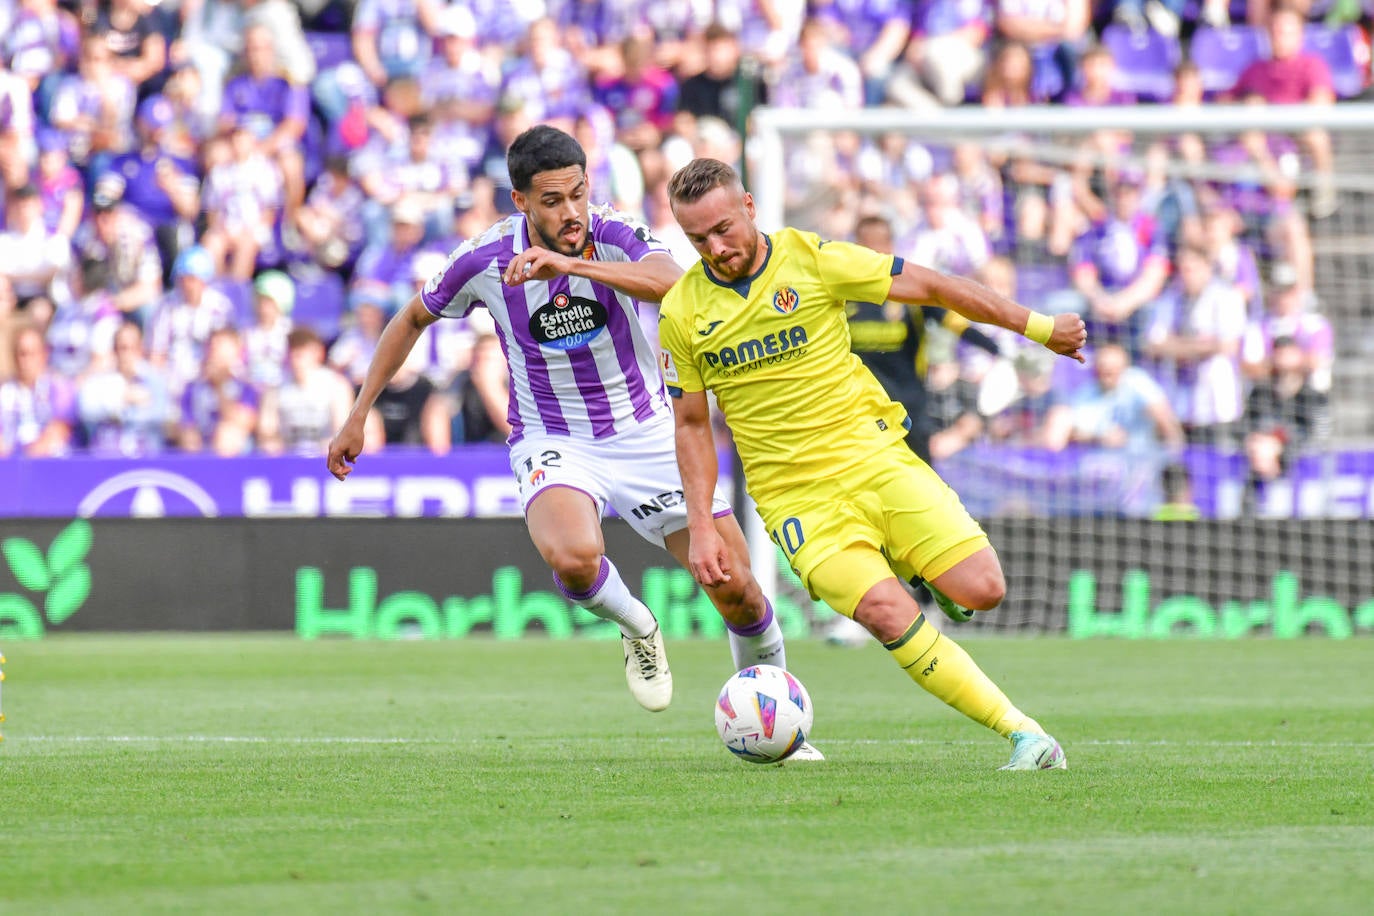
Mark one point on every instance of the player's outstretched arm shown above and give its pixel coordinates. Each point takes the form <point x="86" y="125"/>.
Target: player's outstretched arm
<point x="398" y="339"/>
<point x="708" y="560"/>
<point x="1064" y="334"/>
<point x="647" y="280"/>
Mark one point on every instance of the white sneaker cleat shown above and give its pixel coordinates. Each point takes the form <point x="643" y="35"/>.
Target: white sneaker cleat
<point x="1032" y="751"/>
<point x="807" y="753"/>
<point x="646" y="670"/>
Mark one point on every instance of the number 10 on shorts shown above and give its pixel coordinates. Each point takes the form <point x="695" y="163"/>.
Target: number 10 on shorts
<point x="789" y="535"/>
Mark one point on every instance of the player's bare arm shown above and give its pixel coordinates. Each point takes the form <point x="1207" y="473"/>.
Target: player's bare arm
<point x="917" y="285"/>
<point x="646" y="280"/>
<point x="708" y="560"/>
<point x="398" y="339"/>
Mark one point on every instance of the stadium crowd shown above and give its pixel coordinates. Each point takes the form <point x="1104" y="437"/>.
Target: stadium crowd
<point x="211" y="207"/>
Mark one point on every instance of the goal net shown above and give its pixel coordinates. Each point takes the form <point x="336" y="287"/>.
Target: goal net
<point x="1223" y="481"/>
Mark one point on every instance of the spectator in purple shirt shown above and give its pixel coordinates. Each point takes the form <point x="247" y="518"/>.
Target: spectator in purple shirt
<point x="37" y="412"/>
<point x="393" y="38"/>
<point x="1233" y="258"/>
<point x="547" y="78"/>
<point x="819" y="75"/>
<point x="16" y="129"/>
<point x="946" y="55"/>
<point x="460" y="83"/>
<point x="219" y="408"/>
<point x="126" y="410"/>
<point x="875" y="34"/>
<point x="1120" y="266"/>
<point x="243" y="197"/>
<point x="42" y="44"/>
<point x="330" y="223"/>
<point x="161" y="188"/>
<point x="1290" y="314"/>
<point x="95" y="107"/>
<point x="271" y="108"/>
<point x="180" y="329"/>
<point x="389" y="264"/>
<point x="643" y="98"/>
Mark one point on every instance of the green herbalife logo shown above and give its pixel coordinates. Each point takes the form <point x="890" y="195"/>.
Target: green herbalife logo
<point x="61" y="577"/>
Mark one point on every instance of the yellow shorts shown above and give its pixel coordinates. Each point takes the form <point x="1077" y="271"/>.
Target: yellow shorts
<point x="892" y="515"/>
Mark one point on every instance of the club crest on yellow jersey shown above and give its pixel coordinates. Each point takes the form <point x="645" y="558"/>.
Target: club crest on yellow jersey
<point x="786" y="300"/>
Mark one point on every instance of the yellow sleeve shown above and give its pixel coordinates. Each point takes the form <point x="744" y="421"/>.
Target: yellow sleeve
<point x="852" y="272"/>
<point x="679" y="370"/>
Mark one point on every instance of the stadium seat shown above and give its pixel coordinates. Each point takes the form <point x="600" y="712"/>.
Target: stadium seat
<point x="1346" y="53"/>
<point x="330" y="48"/>
<point x="320" y="299"/>
<point x="1145" y="61"/>
<point x="1223" y="54"/>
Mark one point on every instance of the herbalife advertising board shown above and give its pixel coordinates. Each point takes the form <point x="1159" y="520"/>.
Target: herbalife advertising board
<point x="456" y="578"/>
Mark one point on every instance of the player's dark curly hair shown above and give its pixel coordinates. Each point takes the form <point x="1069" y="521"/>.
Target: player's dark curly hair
<point x="542" y="149"/>
<point x="698" y="178"/>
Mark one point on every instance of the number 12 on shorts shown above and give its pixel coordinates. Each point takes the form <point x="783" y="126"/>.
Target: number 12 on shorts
<point x="789" y="535"/>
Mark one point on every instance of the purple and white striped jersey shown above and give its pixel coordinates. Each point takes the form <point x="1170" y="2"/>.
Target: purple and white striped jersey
<point x="579" y="362"/>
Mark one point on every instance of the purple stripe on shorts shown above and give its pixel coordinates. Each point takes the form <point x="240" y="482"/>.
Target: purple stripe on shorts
<point x="536" y="374"/>
<point x="601" y="577"/>
<point x="754" y="629"/>
<point x="622" y="335"/>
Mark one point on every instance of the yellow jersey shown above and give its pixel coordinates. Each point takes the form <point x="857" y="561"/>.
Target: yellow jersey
<point x="774" y="349"/>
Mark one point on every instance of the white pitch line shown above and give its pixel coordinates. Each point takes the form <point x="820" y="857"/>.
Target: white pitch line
<point x="841" y="742"/>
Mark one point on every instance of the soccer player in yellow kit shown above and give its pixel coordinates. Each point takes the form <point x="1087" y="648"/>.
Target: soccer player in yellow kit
<point x="760" y="321"/>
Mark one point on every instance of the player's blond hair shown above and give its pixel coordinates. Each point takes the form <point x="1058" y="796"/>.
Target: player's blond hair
<point x="698" y="178"/>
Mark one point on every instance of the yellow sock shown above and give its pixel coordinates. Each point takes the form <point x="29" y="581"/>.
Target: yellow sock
<point x="942" y="668"/>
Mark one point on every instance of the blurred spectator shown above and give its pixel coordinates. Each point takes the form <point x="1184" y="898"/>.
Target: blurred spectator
<point x="330" y="223"/>
<point x="11" y="320"/>
<point x="393" y="38"/>
<point x="37" y="406"/>
<point x="243" y="199"/>
<point x="1178" y="504"/>
<point x="872" y="32"/>
<point x="1292" y="76"/>
<point x="161" y="187"/>
<point x="891" y="168"/>
<point x="512" y="119"/>
<point x="265" y="340"/>
<point x="980" y="191"/>
<point x="546" y="78"/>
<point x="126" y="410"/>
<point x="272" y="110"/>
<point x="1054" y="33"/>
<point x="81" y="333"/>
<point x="614" y="177"/>
<point x="1120" y="408"/>
<point x="120" y="240"/>
<point x="388" y="264"/>
<point x="1009" y="78"/>
<point x="301" y="416"/>
<point x="352" y="352"/>
<point x="717" y="90"/>
<point x="1282" y="414"/>
<point x="186" y="319"/>
<point x="42" y="43"/>
<point x="482" y="394"/>
<point x="219" y="408"/>
<point x="59" y="185"/>
<point x="1162" y="16"/>
<point x="767" y="29"/>
<point x="1196" y="340"/>
<point x="1096" y="84"/>
<point x="33" y="258"/>
<point x="1290" y="315"/>
<point x="410" y="411"/>
<point x="946" y="56"/>
<point x="1233" y="259"/>
<point x="947" y="239"/>
<point x="140" y="50"/>
<point x="1120" y="266"/>
<point x="819" y="75"/>
<point x="1024" y="419"/>
<point x="94" y="107"/>
<point x="16" y="130"/>
<point x="642" y="97"/>
<point x="461" y="83"/>
<point x="1169" y="200"/>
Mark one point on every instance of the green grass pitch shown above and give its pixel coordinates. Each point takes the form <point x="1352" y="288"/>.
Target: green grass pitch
<point x="163" y="774"/>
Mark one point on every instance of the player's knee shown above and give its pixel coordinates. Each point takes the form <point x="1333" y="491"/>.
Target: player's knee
<point x="740" y="601"/>
<point x="886" y="613"/>
<point x="576" y="567"/>
<point x="986" y="591"/>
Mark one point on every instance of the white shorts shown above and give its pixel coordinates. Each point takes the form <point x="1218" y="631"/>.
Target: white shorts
<point x="635" y="474"/>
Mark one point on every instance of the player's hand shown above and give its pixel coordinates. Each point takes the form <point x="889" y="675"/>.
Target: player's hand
<point x="345" y="447"/>
<point x="535" y="264"/>
<point x="1069" y="337"/>
<point x="708" y="560"/>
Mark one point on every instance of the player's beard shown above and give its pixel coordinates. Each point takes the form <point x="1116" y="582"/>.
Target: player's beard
<point x="557" y="242"/>
<point x="742" y="263"/>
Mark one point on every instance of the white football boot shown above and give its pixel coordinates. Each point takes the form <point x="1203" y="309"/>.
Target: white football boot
<point x="1032" y="751"/>
<point x="646" y="670"/>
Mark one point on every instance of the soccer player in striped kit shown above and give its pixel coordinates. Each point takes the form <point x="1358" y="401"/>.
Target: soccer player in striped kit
<point x="590" y="421"/>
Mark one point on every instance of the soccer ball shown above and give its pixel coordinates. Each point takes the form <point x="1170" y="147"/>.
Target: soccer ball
<point x="763" y="714"/>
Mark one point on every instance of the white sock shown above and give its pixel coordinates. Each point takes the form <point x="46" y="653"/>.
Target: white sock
<point x="759" y="644"/>
<point x="609" y="598"/>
